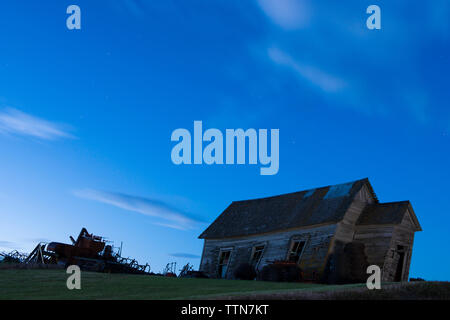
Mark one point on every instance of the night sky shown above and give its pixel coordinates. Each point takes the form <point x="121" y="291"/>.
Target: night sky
<point x="86" y="116"/>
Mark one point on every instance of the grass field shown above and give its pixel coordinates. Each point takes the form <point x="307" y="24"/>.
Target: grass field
<point x="51" y="284"/>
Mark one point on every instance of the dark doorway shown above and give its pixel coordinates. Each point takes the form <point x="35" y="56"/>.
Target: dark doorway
<point x="401" y="251"/>
<point x="224" y="259"/>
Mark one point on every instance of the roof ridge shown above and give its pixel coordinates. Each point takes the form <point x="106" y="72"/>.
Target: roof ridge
<point x="300" y="191"/>
<point x="270" y="197"/>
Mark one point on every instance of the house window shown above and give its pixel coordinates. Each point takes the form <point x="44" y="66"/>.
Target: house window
<point x="224" y="259"/>
<point x="296" y="250"/>
<point x="256" y="255"/>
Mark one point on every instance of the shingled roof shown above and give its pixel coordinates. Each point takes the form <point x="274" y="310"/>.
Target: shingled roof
<point x="387" y="213"/>
<point x="299" y="209"/>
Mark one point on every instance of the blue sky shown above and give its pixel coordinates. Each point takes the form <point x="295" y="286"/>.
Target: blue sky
<point x="86" y="115"/>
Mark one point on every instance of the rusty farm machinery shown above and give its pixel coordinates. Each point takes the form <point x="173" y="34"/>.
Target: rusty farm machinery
<point x="88" y="251"/>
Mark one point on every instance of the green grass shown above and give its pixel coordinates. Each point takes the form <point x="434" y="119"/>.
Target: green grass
<point x="51" y="284"/>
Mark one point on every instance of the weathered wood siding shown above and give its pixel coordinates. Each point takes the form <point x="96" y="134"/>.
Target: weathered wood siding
<point x="403" y="235"/>
<point x="382" y="249"/>
<point x="346" y="228"/>
<point x="377" y="241"/>
<point x="364" y="195"/>
<point x="277" y="246"/>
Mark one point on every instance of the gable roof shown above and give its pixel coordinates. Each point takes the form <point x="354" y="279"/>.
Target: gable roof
<point x="293" y="210"/>
<point x="387" y="213"/>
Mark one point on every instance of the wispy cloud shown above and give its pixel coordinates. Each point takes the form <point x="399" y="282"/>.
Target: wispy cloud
<point x="349" y="63"/>
<point x="15" y="122"/>
<point x="170" y="225"/>
<point x="288" y="14"/>
<point x="37" y="240"/>
<point x="174" y="218"/>
<point x="312" y="74"/>
<point x="8" y="245"/>
<point x="185" y="255"/>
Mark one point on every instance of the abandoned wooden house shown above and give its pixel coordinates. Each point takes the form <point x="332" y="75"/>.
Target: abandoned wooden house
<point x="316" y="229"/>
